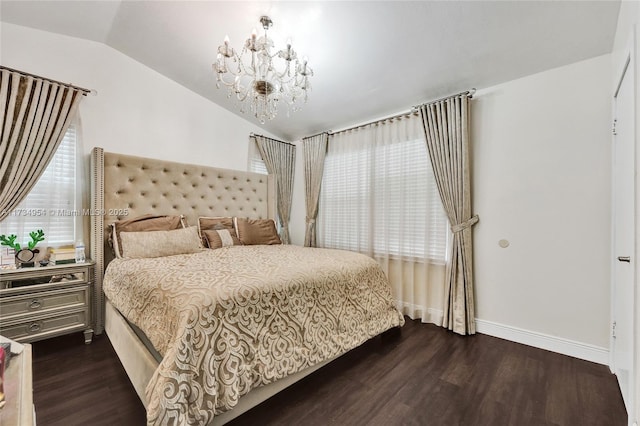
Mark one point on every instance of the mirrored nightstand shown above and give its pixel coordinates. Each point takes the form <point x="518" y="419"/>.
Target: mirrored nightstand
<point x="46" y="301"/>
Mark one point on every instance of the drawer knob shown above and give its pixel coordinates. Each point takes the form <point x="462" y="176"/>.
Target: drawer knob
<point x="33" y="327"/>
<point x="35" y="304"/>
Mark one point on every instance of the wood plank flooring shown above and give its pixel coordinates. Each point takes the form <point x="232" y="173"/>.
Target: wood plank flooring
<point x="78" y="384"/>
<point x="421" y="376"/>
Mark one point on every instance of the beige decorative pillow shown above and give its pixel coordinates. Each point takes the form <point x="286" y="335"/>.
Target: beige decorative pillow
<point x="215" y="223"/>
<point x="217" y="238"/>
<point x="160" y="243"/>
<point x="143" y="223"/>
<point x="256" y="231"/>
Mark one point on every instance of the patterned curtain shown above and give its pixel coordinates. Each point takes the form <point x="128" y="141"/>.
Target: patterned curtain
<point x="36" y="115"/>
<point x="446" y="126"/>
<point x="314" y="150"/>
<point x="280" y="159"/>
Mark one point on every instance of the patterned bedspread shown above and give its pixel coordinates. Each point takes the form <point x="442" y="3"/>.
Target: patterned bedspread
<point x="232" y="319"/>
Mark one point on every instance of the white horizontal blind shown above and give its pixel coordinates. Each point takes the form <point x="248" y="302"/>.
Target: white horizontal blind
<point x="256" y="163"/>
<point x="345" y="199"/>
<point x="51" y="203"/>
<point x="407" y="207"/>
<point x="379" y="195"/>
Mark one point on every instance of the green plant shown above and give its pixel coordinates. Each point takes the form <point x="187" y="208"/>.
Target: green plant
<point x="36" y="237"/>
<point x="10" y="241"/>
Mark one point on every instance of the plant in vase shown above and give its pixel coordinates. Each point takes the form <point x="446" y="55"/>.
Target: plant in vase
<point x="24" y="256"/>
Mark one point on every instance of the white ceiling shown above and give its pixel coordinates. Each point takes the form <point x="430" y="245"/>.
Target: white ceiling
<point x="370" y="58"/>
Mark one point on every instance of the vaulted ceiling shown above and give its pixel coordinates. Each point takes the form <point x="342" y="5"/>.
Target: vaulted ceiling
<point x="370" y="58"/>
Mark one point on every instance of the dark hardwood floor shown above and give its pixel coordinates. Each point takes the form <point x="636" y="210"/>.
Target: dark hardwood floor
<point x="421" y="376"/>
<point x="78" y="384"/>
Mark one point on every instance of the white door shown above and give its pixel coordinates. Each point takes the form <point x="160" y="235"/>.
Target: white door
<point x="623" y="238"/>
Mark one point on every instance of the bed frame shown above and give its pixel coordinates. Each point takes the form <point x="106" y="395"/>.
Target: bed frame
<point x="126" y="186"/>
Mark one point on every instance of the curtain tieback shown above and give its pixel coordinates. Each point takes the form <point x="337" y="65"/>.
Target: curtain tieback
<point x="464" y="225"/>
<point x="310" y="221"/>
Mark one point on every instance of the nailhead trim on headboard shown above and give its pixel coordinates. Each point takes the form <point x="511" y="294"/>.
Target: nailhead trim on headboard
<point x="97" y="235"/>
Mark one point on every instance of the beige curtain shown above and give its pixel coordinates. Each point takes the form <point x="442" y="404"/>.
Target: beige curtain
<point x="36" y="115"/>
<point x="280" y="159"/>
<point x="446" y="126"/>
<point x="314" y="150"/>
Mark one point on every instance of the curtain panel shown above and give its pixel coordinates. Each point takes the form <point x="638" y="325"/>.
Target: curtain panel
<point x="36" y="115"/>
<point x="280" y="159"/>
<point x="314" y="150"/>
<point x="446" y="127"/>
<point x="379" y="197"/>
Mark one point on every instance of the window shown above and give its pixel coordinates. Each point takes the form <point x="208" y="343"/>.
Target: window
<point x="379" y="196"/>
<point x="51" y="204"/>
<point x="256" y="163"/>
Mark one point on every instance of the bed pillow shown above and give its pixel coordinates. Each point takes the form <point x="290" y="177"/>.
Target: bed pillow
<point x="256" y="231"/>
<point x="218" y="238"/>
<point x="215" y="223"/>
<point x="137" y="245"/>
<point x="143" y="223"/>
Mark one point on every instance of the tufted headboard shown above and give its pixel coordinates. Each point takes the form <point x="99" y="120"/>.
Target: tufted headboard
<point x="124" y="186"/>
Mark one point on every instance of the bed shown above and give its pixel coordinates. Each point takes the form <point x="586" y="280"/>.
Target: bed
<point x="239" y="324"/>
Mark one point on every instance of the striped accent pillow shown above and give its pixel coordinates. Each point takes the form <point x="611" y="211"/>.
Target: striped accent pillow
<point x="217" y="238"/>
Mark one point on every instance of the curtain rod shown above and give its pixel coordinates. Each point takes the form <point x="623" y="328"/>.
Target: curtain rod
<point x="469" y="93"/>
<point x="267" y="137"/>
<point x="404" y="114"/>
<point x="327" y="132"/>
<point x="28" y="74"/>
<point x="414" y="110"/>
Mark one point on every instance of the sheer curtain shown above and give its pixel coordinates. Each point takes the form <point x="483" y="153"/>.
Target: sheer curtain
<point x="379" y="197"/>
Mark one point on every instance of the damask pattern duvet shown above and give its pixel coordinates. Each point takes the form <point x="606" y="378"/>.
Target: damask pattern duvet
<point x="232" y="319"/>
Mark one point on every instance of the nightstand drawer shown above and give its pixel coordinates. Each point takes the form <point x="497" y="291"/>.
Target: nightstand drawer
<point x="45" y="301"/>
<point x="39" y="328"/>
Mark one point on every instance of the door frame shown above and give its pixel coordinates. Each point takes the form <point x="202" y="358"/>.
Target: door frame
<point x="627" y="64"/>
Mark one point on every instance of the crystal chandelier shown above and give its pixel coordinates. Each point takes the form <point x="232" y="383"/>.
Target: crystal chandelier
<point x="260" y="79"/>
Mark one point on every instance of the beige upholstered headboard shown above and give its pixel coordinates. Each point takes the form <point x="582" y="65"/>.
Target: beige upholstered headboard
<point x="124" y="186"/>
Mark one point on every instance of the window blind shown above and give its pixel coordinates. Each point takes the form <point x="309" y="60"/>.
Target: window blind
<point x="383" y="200"/>
<point x="256" y="164"/>
<point x="50" y="205"/>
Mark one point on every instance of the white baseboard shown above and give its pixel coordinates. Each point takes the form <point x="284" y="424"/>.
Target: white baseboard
<point x="544" y="341"/>
<point x="547" y="342"/>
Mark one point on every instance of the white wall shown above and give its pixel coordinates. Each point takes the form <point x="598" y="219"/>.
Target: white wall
<point x="137" y="111"/>
<point x="541" y="159"/>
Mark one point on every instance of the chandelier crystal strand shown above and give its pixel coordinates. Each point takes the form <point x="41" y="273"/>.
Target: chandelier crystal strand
<point x="260" y="80"/>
